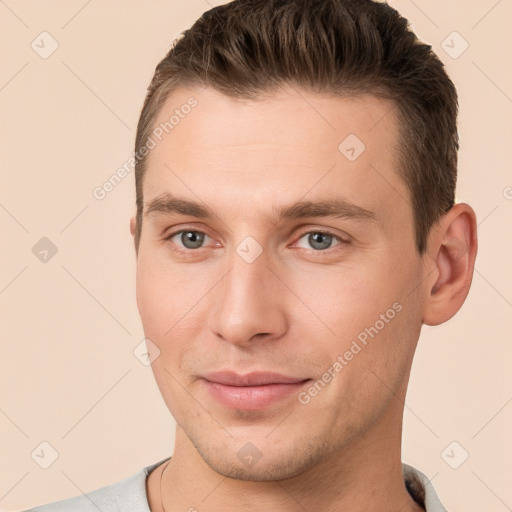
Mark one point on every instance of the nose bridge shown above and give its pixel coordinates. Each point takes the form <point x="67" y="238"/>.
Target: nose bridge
<point x="246" y="301"/>
<point x="245" y="279"/>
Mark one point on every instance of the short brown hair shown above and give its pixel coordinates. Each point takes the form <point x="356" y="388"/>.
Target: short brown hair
<point x="341" y="47"/>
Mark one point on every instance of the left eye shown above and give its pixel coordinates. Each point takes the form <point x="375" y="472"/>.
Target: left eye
<point x="189" y="239"/>
<point x="319" y="240"/>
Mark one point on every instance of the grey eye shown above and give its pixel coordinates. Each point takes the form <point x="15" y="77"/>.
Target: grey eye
<point x="191" y="239"/>
<point x="318" y="240"/>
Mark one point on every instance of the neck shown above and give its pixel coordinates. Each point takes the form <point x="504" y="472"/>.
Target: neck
<point x="366" y="472"/>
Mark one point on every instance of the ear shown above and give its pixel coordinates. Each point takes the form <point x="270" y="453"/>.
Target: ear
<point x="450" y="259"/>
<point x="132" y="225"/>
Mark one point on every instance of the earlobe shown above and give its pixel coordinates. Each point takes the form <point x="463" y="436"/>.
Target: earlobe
<point x="132" y="226"/>
<point x="452" y="250"/>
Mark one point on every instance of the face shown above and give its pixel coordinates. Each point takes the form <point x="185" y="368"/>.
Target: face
<point x="285" y="303"/>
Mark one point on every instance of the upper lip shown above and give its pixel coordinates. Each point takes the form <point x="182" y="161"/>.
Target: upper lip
<point x="229" y="378"/>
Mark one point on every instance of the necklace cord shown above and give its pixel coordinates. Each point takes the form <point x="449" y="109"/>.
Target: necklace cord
<point x="161" y="495"/>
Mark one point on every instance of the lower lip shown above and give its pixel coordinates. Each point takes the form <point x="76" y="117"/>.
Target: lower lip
<point x="252" y="398"/>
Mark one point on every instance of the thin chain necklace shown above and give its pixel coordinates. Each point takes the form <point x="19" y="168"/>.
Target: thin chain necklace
<point x="161" y="495"/>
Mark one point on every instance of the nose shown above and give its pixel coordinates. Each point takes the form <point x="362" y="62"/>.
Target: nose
<point x="249" y="304"/>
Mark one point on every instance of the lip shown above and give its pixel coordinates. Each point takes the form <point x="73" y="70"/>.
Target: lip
<point x="252" y="391"/>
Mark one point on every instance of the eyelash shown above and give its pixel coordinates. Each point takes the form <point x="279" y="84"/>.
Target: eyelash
<point x="327" y="251"/>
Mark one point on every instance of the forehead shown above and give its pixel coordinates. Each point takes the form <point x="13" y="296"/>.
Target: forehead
<point x="277" y="149"/>
<point x="273" y="117"/>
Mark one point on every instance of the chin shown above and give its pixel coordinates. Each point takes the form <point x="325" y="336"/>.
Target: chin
<point x="244" y="460"/>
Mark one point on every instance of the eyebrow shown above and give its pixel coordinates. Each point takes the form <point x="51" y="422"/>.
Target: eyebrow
<point x="167" y="204"/>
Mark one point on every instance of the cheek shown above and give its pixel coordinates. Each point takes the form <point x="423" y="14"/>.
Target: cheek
<point x="172" y="307"/>
<point x="164" y="293"/>
<point x="371" y="314"/>
<point x="163" y="309"/>
<point x="159" y="307"/>
<point x="351" y="297"/>
<point x="370" y="360"/>
<point x="151" y="300"/>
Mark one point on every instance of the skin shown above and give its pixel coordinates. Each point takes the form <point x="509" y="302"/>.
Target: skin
<point x="296" y="308"/>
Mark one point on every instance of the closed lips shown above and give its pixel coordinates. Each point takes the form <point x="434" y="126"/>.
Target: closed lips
<point x="252" y="379"/>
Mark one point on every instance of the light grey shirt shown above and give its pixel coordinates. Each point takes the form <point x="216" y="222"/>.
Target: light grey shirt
<point x="129" y="495"/>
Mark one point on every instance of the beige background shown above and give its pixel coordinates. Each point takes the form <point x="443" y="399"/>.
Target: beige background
<point x="70" y="325"/>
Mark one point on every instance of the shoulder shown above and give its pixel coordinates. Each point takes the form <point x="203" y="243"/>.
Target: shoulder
<point x="420" y="487"/>
<point x="128" y="494"/>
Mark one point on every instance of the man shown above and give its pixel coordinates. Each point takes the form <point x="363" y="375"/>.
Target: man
<point x="295" y="228"/>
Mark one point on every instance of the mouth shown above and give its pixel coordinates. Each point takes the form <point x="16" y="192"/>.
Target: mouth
<point x="253" y="391"/>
